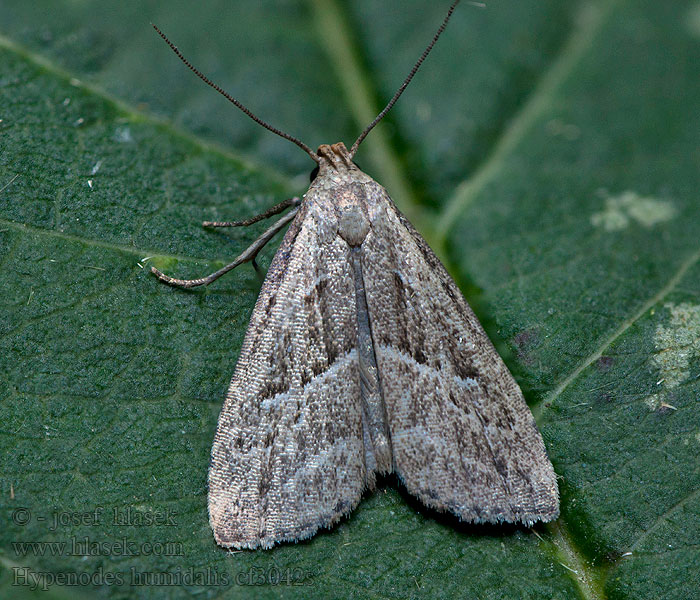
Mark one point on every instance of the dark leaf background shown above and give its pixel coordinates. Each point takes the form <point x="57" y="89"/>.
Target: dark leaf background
<point x="549" y="153"/>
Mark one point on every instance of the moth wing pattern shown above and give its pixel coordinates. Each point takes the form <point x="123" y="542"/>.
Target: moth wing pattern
<point x="362" y="357"/>
<point x="274" y="472"/>
<point x="463" y="438"/>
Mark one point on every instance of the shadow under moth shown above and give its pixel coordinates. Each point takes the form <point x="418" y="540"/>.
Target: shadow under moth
<point x="362" y="358"/>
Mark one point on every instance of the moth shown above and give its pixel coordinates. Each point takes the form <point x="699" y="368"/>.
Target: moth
<point x="363" y="358"/>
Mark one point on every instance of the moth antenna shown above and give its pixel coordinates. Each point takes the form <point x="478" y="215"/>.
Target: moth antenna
<point x="235" y="102"/>
<point x="404" y="85"/>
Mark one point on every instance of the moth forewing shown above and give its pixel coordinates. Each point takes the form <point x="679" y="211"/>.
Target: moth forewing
<point x="463" y="438"/>
<point x="279" y="443"/>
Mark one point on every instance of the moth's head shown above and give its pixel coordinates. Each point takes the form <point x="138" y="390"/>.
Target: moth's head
<point x="333" y="159"/>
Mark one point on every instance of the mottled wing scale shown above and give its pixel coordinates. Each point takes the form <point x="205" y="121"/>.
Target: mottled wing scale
<point x="463" y="438"/>
<point x="285" y="459"/>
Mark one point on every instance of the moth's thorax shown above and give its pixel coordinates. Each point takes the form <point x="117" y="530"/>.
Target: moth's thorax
<point x="338" y="196"/>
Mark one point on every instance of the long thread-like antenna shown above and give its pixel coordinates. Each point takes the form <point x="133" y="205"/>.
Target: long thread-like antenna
<point x="404" y="85"/>
<point x="231" y="99"/>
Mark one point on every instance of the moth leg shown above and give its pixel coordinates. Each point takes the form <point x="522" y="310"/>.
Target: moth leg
<point x="275" y="210"/>
<point x="249" y="254"/>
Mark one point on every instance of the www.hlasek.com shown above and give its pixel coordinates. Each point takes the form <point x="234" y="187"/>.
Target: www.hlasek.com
<point x="86" y="547"/>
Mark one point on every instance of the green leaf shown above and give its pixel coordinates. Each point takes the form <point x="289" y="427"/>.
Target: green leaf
<point x="548" y="150"/>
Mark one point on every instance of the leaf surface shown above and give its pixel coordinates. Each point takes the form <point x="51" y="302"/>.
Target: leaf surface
<point x="547" y="150"/>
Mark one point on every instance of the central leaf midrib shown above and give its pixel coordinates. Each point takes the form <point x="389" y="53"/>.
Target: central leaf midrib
<point x="572" y="52"/>
<point x="335" y="35"/>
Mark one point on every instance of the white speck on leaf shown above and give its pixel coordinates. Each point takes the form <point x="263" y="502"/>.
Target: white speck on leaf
<point x="676" y="343"/>
<point x="629" y="206"/>
<point x="123" y="135"/>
